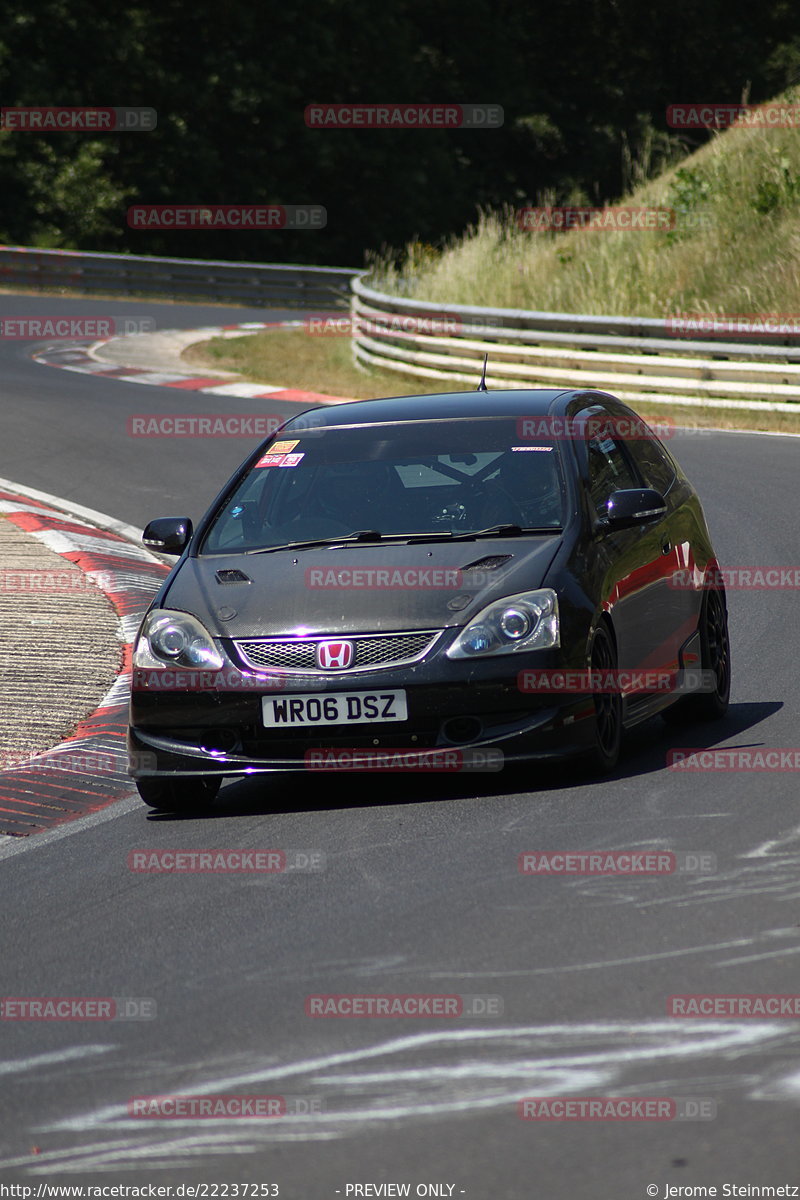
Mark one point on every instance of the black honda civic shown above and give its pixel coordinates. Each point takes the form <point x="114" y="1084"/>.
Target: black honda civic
<point x="443" y="582"/>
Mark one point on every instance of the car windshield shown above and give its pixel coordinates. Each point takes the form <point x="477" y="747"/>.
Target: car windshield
<point x="415" y="479"/>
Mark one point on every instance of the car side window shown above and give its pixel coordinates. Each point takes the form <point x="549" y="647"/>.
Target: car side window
<point x="652" y="460"/>
<point x="609" y="470"/>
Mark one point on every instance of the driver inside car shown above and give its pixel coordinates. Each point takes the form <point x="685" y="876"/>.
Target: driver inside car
<point x="525" y="489"/>
<point x="360" y="495"/>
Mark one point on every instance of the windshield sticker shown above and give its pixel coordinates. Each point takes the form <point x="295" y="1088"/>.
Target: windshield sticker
<point x="271" y="460"/>
<point x="527" y="449"/>
<point x="283" y="447"/>
<point x="291" y="460"/>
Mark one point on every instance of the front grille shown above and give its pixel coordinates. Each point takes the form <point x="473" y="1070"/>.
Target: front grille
<point x="299" y="655"/>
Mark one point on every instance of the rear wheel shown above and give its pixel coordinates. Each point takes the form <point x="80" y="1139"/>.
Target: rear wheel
<point x="189" y="793"/>
<point x="715" y="655"/>
<point x="607" y="705"/>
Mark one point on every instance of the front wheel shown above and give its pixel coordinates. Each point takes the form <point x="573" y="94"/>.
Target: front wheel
<point x="604" y="755"/>
<point x="182" y="793"/>
<point x="715" y="657"/>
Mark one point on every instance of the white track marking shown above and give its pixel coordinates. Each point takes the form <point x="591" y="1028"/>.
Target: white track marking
<point x="129" y="532"/>
<point x="243" y="389"/>
<point x="40" y="841"/>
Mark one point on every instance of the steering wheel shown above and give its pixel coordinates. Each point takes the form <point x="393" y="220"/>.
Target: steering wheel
<point x="500" y="504"/>
<point x="302" y="528"/>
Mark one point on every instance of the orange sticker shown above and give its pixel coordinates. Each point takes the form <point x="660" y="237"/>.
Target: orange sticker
<point x="283" y="447"/>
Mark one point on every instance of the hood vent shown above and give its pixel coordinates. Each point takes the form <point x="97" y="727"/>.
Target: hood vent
<point x="232" y="576"/>
<point x="491" y="563"/>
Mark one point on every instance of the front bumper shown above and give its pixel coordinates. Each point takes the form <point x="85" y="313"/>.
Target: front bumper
<point x="479" y="708"/>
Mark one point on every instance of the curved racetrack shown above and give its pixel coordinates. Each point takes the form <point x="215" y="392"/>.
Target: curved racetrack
<point x="420" y="893"/>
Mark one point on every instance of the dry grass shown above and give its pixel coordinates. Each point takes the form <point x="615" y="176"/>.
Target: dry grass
<point x="735" y="247"/>
<point x="296" y="359"/>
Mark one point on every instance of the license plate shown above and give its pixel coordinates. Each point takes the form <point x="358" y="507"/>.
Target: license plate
<point x="334" y="708"/>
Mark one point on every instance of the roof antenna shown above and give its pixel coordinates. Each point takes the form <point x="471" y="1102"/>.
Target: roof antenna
<point x="482" y="385"/>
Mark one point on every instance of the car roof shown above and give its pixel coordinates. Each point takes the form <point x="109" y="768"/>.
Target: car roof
<point x="446" y="405"/>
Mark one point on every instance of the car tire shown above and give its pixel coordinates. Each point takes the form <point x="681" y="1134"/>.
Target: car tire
<point x="604" y="755"/>
<point x="715" y="656"/>
<point x="189" y="793"/>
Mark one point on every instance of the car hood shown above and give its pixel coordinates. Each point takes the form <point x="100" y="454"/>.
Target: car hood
<point x="340" y="590"/>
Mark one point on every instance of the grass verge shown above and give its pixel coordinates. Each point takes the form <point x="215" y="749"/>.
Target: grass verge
<point x="294" y="358"/>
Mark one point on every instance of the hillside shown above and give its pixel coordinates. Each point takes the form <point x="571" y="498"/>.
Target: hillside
<point x="735" y="246"/>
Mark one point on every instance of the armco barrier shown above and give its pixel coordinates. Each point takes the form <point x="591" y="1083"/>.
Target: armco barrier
<point x="631" y="356"/>
<point x="253" y="283"/>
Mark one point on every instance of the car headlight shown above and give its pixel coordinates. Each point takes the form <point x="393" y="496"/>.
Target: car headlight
<point x="175" y="638"/>
<point x="528" y="621"/>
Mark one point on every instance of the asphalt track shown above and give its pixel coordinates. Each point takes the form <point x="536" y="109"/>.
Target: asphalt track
<point x="419" y="893"/>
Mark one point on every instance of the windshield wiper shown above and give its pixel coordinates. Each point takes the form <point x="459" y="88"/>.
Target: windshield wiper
<point x="492" y="531"/>
<point x="411" y="539"/>
<point x="508" y="531"/>
<point x="361" y="535"/>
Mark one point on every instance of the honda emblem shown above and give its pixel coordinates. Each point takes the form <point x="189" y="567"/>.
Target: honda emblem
<point x="334" y="656"/>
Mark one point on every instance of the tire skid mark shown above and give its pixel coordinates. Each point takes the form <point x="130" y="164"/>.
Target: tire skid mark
<point x="440" y="1075"/>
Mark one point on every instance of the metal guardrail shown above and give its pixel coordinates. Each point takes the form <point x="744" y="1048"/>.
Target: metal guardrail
<point x="262" y="284"/>
<point x="636" y="357"/>
<point x="628" y="355"/>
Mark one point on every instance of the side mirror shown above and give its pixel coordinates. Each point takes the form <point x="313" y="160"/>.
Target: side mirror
<point x="170" y="535"/>
<point x="633" y="506"/>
